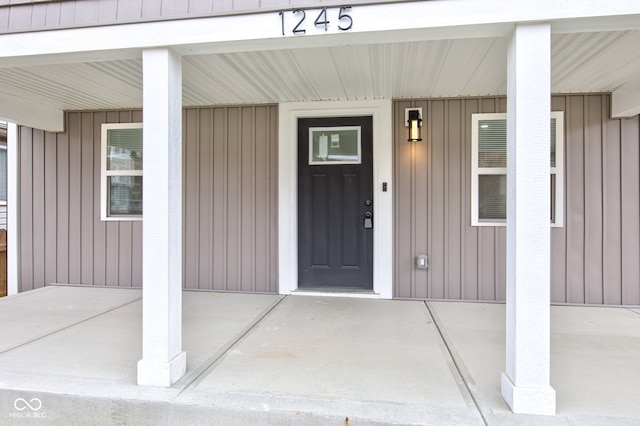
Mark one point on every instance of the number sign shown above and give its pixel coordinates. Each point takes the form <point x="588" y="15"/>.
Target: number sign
<point x="296" y="20"/>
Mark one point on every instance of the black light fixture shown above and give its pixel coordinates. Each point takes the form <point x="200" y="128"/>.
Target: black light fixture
<point x="414" y="123"/>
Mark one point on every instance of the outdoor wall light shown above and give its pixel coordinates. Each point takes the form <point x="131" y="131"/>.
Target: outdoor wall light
<point x="414" y="122"/>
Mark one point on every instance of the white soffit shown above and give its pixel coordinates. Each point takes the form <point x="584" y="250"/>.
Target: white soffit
<point x="581" y="62"/>
<point x="394" y="70"/>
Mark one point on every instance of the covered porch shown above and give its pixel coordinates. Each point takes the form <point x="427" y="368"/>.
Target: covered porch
<point x="71" y="354"/>
<point x="526" y="53"/>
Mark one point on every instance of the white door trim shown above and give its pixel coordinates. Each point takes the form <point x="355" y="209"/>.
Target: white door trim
<point x="382" y="112"/>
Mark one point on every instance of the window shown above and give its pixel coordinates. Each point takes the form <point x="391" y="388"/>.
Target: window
<point x="334" y="145"/>
<point x="121" y="172"/>
<point x="3" y="175"/>
<point x="489" y="169"/>
<point x="3" y="163"/>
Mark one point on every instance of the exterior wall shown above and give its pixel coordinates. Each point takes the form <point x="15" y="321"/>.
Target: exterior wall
<point x="24" y="15"/>
<point x="230" y="216"/>
<point x="595" y="256"/>
<point x="63" y="240"/>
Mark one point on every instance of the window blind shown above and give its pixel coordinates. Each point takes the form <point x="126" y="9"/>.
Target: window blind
<point x="492" y="143"/>
<point x="3" y="174"/>
<point x="492" y="203"/>
<point x="124" y="149"/>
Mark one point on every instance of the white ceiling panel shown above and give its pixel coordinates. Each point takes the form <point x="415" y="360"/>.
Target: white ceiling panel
<point x="581" y="62"/>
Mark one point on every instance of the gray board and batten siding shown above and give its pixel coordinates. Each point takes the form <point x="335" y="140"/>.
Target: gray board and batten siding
<point x="34" y="15"/>
<point x="230" y="208"/>
<point x="595" y="255"/>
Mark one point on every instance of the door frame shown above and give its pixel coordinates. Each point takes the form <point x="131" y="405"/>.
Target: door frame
<point x="382" y="113"/>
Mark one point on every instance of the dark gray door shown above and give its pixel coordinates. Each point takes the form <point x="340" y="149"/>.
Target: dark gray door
<point x="335" y="202"/>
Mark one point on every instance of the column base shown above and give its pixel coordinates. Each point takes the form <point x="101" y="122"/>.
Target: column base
<point x="160" y="373"/>
<point x="523" y="400"/>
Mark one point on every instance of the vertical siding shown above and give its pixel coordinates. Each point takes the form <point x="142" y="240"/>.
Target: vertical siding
<point x="25" y="151"/>
<point x="595" y="256"/>
<point x="230" y="225"/>
<point x="37" y="15"/>
<point x="230" y="216"/>
<point x="433" y="178"/>
<point x="602" y="233"/>
<point x="230" y="194"/>
<point x="630" y="206"/>
<point x="62" y="239"/>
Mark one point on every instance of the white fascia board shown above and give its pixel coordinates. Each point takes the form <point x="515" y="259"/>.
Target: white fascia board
<point x="625" y="101"/>
<point x="24" y="113"/>
<point x="379" y="23"/>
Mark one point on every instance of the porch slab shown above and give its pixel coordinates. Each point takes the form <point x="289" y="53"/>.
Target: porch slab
<point x="595" y="353"/>
<point x="368" y="360"/>
<point x="269" y="359"/>
<point x="50" y="309"/>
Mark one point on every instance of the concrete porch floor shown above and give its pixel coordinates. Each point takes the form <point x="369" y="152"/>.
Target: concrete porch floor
<point x="71" y="354"/>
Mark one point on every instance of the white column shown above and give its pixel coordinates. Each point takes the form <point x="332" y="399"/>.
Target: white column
<point x="12" y="209"/>
<point x="163" y="361"/>
<point x="525" y="385"/>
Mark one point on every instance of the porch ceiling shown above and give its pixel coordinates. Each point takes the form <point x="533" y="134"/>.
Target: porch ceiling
<point x="581" y="62"/>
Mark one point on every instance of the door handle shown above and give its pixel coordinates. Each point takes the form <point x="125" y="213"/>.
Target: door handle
<point x="368" y="220"/>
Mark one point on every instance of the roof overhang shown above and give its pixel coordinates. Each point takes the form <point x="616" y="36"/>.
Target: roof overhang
<point x="399" y="50"/>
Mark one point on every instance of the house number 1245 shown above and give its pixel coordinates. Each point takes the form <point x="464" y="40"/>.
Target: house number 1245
<point x="345" y="22"/>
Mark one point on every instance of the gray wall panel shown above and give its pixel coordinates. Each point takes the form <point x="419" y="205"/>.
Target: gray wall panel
<point x="52" y="18"/>
<point x="191" y="196"/>
<point x="99" y="227"/>
<point x="128" y="10"/>
<point x="230" y="212"/>
<point x="230" y="209"/>
<point x="204" y="211"/>
<point x="454" y="213"/>
<point x="50" y="218"/>
<point x="469" y="261"/>
<point x="75" y="199"/>
<point x="593" y="199"/>
<point x="87" y="194"/>
<point x="612" y="214"/>
<point x="595" y="255"/>
<point x="25" y="151"/>
<point x="38" y="204"/>
<point x="435" y="212"/>
<point x="62" y="206"/>
<point x="88" y="10"/>
<point x="574" y="207"/>
<point x="630" y="206"/>
<point x="20" y="16"/>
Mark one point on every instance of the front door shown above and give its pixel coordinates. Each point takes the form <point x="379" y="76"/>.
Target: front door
<point x="335" y="203"/>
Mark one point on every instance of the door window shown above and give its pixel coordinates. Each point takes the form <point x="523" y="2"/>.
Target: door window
<point x="334" y="145"/>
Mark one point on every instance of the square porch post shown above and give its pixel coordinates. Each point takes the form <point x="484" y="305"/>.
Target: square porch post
<point x="163" y="361"/>
<point x="526" y="382"/>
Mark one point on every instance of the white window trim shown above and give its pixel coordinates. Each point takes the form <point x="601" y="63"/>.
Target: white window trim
<point x="558" y="171"/>
<point x="4" y="202"/>
<point x="104" y="173"/>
